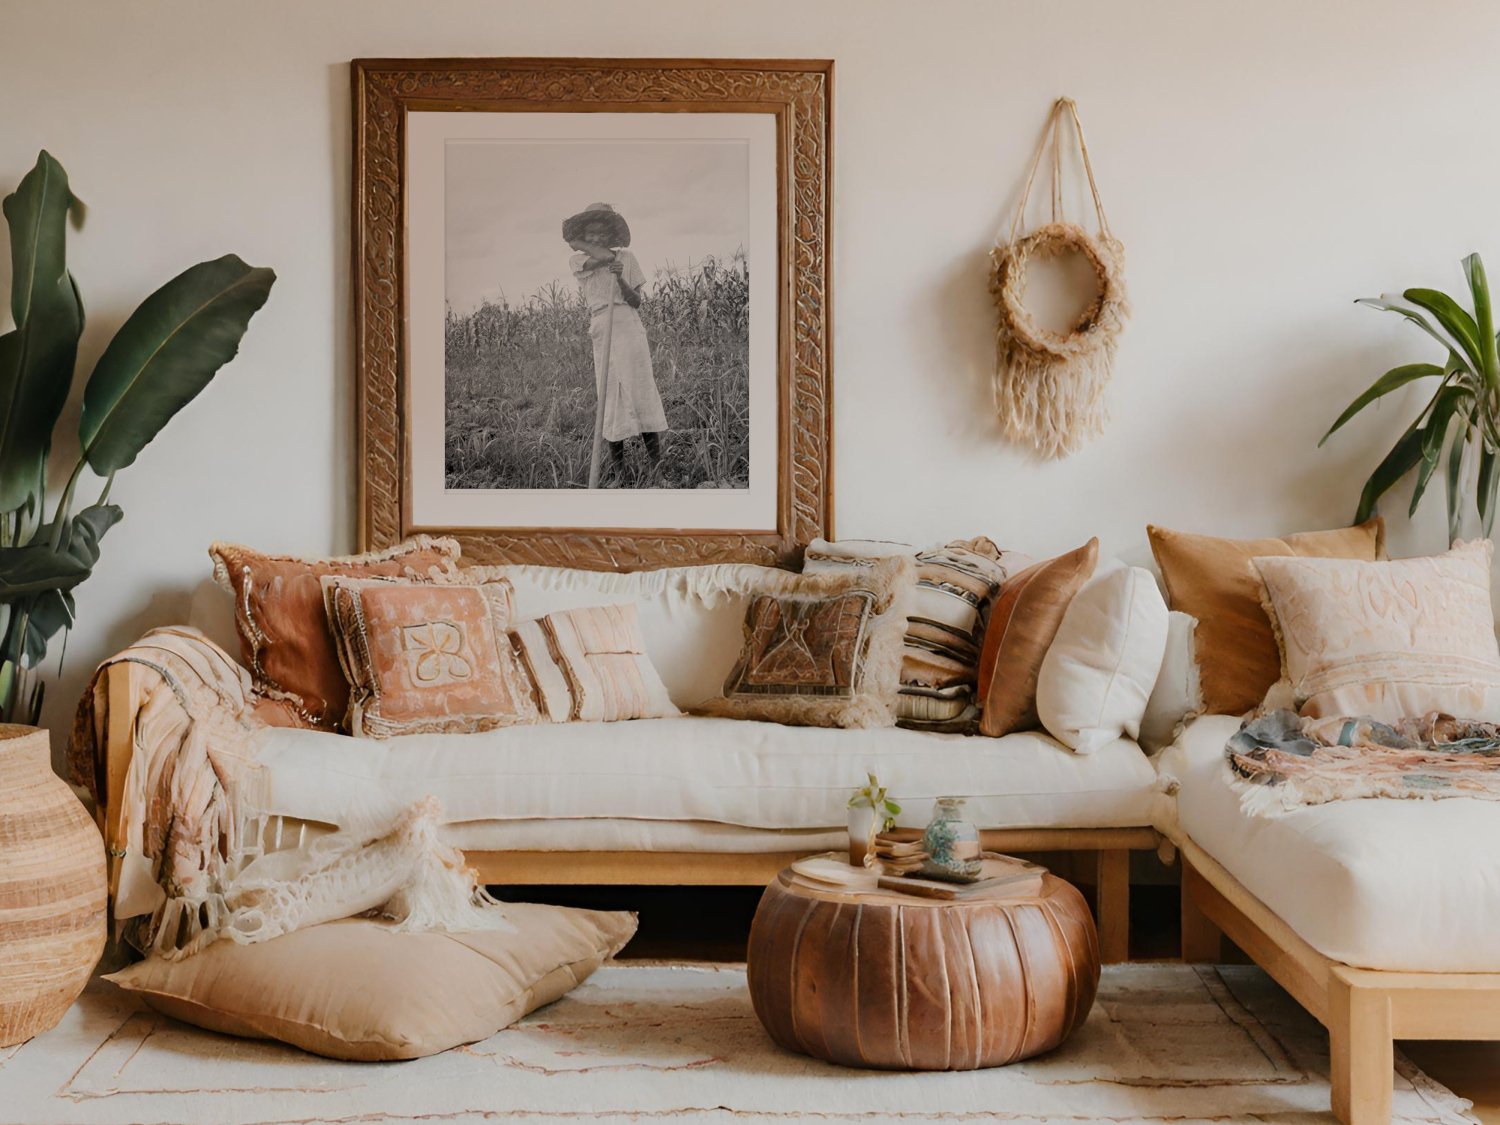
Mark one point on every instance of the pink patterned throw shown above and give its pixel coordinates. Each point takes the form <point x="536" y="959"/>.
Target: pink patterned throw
<point x="1280" y="761"/>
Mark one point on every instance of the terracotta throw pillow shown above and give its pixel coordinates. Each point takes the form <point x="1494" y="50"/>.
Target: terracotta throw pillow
<point x="1215" y="581"/>
<point x="357" y="990"/>
<point x="823" y="649"/>
<point x="1388" y="640"/>
<point x="1026" y="617"/>
<point x="590" y="665"/>
<point x="285" y="640"/>
<point x="427" y="657"/>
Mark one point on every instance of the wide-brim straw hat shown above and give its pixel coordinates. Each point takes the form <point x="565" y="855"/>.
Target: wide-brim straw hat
<point x="575" y="225"/>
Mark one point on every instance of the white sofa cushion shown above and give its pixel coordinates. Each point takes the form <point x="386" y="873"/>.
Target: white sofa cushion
<point x="1101" y="665"/>
<point x="1379" y="884"/>
<point x="731" y="771"/>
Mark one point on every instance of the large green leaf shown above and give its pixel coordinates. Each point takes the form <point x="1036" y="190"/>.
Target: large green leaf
<point x="37" y="356"/>
<point x="1392" y="380"/>
<point x="164" y="355"/>
<point x="35" y="568"/>
<point x="1396" y="303"/>
<point x="1455" y="321"/>
<point x="1402" y="458"/>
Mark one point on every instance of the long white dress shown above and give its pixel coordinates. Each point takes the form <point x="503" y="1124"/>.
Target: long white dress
<point x="632" y="404"/>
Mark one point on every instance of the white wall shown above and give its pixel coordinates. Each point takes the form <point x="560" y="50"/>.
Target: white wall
<point x="1264" y="164"/>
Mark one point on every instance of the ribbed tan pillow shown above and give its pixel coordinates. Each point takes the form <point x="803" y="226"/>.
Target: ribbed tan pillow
<point x="1023" y="622"/>
<point x="356" y="990"/>
<point x="1214" y="580"/>
<point x="1389" y="640"/>
<point x="590" y="665"/>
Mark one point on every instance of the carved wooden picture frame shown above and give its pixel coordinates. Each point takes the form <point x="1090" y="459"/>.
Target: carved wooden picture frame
<point x="390" y="100"/>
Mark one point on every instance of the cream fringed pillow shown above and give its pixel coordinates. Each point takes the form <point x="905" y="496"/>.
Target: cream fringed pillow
<point x="425" y="657"/>
<point x="823" y="650"/>
<point x="1388" y="640"/>
<point x="590" y="665"/>
<point x="356" y="990"/>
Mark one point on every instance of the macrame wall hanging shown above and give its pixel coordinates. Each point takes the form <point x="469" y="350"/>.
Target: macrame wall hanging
<point x="1049" y="386"/>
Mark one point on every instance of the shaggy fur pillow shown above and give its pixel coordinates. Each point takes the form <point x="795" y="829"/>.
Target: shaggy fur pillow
<point x="823" y="649"/>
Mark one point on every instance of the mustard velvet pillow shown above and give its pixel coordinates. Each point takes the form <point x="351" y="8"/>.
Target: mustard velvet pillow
<point x="1388" y="640"/>
<point x="1215" y="581"/>
<point x="357" y="990"/>
<point x="427" y="657"/>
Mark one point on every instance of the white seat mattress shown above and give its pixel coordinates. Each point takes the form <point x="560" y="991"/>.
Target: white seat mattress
<point x="1408" y="885"/>
<point x="727" y="771"/>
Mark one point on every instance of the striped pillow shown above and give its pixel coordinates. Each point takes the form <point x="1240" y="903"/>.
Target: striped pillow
<point x="590" y="665"/>
<point x="956" y="583"/>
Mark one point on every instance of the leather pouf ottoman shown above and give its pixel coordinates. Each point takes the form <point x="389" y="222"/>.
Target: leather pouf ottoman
<point x="889" y="980"/>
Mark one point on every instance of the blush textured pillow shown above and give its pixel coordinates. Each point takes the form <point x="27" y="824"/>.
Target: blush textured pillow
<point x="590" y="665"/>
<point x="1390" y="640"/>
<point x="357" y="990"/>
<point x="1026" y="617"/>
<point x="427" y="657"/>
<point x="956" y="584"/>
<point x="823" y="650"/>
<point x="285" y="640"/>
<point x="1100" y="668"/>
<point x="1214" y="580"/>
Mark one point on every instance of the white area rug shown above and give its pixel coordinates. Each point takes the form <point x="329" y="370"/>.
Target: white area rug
<point x="647" y="1042"/>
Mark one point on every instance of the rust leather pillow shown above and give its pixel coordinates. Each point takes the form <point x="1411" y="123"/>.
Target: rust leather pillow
<point x="1215" y="581"/>
<point x="1025" y="618"/>
<point x="427" y="657"/>
<point x="284" y="635"/>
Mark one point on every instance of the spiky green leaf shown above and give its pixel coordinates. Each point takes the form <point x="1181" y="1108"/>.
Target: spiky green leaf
<point x="1448" y="403"/>
<point x="1392" y="380"/>
<point x="1402" y="458"/>
<point x="1489" y="461"/>
<point x="1455" y="320"/>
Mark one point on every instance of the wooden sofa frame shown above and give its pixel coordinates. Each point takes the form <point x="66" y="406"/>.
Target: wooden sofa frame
<point x="1111" y="846"/>
<point x="1364" y="1010"/>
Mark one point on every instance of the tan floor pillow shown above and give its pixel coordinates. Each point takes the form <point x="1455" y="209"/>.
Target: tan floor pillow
<point x="358" y="990"/>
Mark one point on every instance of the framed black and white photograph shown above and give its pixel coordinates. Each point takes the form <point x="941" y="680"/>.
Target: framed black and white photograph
<point x="604" y="296"/>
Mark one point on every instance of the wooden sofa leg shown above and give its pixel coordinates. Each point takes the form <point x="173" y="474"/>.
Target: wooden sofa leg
<point x="1202" y="941"/>
<point x="1112" y="886"/>
<point x="1361" y="1052"/>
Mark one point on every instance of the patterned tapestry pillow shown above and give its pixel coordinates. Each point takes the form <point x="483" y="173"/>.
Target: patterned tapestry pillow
<point x="590" y="665"/>
<point x="284" y="634"/>
<point x="1387" y="640"/>
<point x="956" y="585"/>
<point x="823" y="649"/>
<point x="424" y="657"/>
<point x="1214" y="580"/>
<point x="1022" y="626"/>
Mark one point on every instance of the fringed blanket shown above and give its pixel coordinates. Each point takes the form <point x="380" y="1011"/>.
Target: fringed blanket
<point x="1281" y="761"/>
<point x="190" y="840"/>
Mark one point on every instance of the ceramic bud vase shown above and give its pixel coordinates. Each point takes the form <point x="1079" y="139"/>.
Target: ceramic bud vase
<point x="52" y="888"/>
<point x="861" y="832"/>
<point x="951" y="843"/>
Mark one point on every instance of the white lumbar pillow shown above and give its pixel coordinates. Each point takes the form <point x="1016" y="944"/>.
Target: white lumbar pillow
<point x="1098" y="674"/>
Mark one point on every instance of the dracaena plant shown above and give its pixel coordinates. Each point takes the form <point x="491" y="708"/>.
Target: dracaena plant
<point x="1457" y="427"/>
<point x="162" y="356"/>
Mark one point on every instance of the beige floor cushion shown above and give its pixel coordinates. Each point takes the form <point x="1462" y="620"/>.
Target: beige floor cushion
<point x="358" y="990"/>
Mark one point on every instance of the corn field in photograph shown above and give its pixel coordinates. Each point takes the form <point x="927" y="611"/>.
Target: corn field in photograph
<point x="520" y="385"/>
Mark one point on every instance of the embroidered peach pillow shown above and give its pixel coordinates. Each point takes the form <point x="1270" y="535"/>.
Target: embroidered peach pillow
<point x="424" y="657"/>
<point x="824" y="649"/>
<point x="284" y="635"/>
<point x="1390" y="640"/>
<point x="1213" y="580"/>
<point x="590" y="665"/>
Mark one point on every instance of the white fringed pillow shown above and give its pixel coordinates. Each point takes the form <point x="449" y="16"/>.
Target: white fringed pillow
<point x="1098" y="673"/>
<point x="1388" y="640"/>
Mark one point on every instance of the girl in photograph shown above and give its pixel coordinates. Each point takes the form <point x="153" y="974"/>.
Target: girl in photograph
<point x="610" y="279"/>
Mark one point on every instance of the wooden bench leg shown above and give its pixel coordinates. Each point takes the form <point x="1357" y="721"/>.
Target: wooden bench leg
<point x="1361" y="1052"/>
<point x="1112" y="886"/>
<point x="1202" y="941"/>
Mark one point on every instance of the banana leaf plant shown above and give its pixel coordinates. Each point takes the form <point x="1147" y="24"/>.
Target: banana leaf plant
<point x="1457" y="428"/>
<point x="164" y="354"/>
